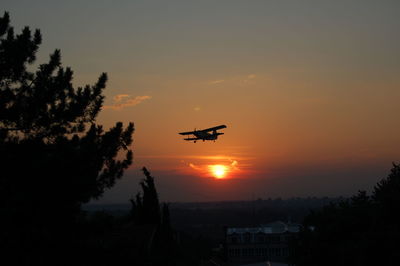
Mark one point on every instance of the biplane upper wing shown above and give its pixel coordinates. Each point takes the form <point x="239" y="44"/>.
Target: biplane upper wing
<point x="191" y="139"/>
<point x="187" y="133"/>
<point x="214" y="128"/>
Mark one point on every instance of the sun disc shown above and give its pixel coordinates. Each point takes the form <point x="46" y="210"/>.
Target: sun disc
<point x="218" y="171"/>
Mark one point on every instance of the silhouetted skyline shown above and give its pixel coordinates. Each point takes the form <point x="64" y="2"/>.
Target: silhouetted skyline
<point x="309" y="89"/>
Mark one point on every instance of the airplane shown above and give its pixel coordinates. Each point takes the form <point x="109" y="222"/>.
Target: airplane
<point x="204" y="134"/>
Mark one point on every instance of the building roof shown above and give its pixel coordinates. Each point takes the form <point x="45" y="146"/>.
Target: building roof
<point x="277" y="227"/>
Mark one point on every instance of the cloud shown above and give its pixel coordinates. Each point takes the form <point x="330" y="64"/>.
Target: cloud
<point x="191" y="165"/>
<point x="119" y="97"/>
<point x="249" y="78"/>
<point x="126" y="100"/>
<point x="234" y="164"/>
<point x="217" y="81"/>
<point x="240" y="78"/>
<point x="227" y="159"/>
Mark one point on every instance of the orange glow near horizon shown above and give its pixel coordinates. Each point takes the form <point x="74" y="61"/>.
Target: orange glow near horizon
<point x="217" y="167"/>
<point x="218" y="171"/>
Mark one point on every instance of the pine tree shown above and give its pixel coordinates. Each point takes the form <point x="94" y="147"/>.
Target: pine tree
<point x="146" y="207"/>
<point x="146" y="211"/>
<point x="53" y="155"/>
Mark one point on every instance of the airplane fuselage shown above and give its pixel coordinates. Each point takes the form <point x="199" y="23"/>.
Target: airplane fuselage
<point x="206" y="136"/>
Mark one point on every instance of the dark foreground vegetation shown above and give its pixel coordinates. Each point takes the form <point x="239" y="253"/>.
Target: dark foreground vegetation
<point x="362" y="230"/>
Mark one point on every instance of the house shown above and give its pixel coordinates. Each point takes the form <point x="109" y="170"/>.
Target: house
<point x="267" y="242"/>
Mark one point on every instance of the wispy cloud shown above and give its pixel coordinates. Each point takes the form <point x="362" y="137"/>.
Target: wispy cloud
<point x="198" y="157"/>
<point x="119" y="97"/>
<point x="126" y="100"/>
<point x="216" y="81"/>
<point x="249" y="78"/>
<point x="195" y="167"/>
<point x="234" y="79"/>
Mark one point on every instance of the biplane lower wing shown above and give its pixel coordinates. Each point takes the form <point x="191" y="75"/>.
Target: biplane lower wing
<point x="191" y="139"/>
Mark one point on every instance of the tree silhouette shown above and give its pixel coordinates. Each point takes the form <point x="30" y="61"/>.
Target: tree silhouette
<point x="146" y="206"/>
<point x="386" y="194"/>
<point x="146" y="211"/>
<point x="53" y="155"/>
<point x="364" y="230"/>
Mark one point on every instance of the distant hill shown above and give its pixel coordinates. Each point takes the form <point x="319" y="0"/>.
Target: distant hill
<point x="309" y="202"/>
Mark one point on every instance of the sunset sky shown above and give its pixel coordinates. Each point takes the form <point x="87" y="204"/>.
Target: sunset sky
<point x="309" y="90"/>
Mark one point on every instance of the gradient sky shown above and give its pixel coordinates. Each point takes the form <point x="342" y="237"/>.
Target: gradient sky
<point x="309" y="90"/>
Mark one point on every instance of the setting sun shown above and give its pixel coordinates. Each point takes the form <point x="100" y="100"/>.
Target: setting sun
<point x="218" y="171"/>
